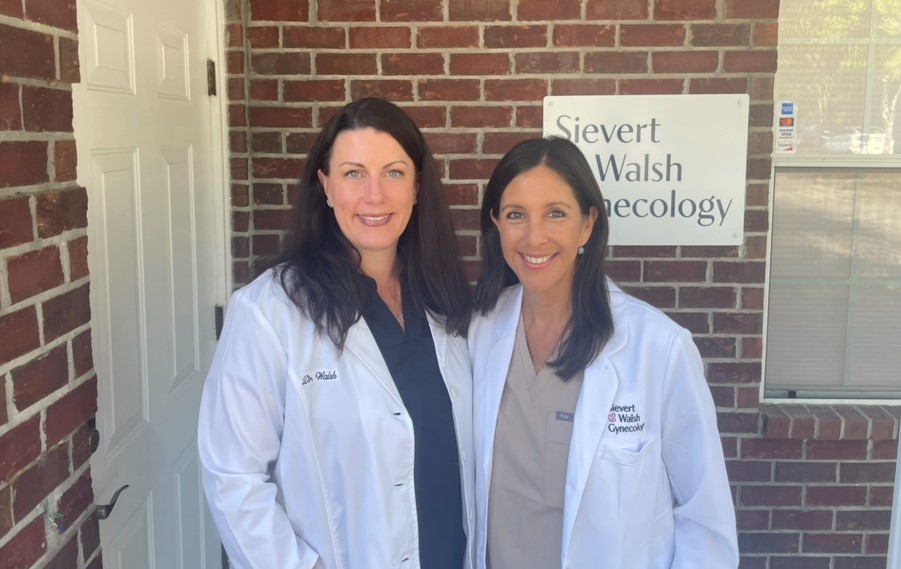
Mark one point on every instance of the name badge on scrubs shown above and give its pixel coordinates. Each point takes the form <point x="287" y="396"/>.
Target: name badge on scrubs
<point x="560" y="427"/>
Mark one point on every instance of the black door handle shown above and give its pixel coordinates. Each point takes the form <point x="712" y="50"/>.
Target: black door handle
<point x="103" y="511"/>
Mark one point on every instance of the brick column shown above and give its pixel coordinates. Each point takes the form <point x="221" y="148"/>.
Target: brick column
<point x="48" y="389"/>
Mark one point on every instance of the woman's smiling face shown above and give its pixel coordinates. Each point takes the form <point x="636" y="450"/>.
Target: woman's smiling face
<point x="541" y="228"/>
<point x="371" y="184"/>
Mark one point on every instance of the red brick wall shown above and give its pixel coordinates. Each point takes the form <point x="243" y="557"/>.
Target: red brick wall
<point x="813" y="485"/>
<point x="47" y="385"/>
<point x="473" y="75"/>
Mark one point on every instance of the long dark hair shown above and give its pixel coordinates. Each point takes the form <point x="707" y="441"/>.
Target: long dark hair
<point x="320" y="269"/>
<point x="591" y="324"/>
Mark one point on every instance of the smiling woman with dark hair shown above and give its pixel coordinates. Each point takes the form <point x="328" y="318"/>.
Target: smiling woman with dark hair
<point x="595" y="433"/>
<point x="335" y="425"/>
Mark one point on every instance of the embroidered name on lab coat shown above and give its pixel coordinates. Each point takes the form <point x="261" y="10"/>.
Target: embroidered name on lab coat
<point x="321" y="375"/>
<point x="624" y="419"/>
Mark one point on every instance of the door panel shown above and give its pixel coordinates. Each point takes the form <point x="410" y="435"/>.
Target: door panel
<point x="131" y="545"/>
<point x="185" y="330"/>
<point x="172" y="64"/>
<point x="117" y="252"/>
<point x="108" y="48"/>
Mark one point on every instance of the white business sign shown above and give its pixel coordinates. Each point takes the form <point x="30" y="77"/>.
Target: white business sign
<point x="671" y="167"/>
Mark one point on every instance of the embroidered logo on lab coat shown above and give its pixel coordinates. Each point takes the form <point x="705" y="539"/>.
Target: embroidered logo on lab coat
<point x="321" y="375"/>
<point x="624" y="419"/>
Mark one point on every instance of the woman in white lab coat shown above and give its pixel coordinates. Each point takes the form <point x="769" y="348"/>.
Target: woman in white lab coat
<point x="595" y="432"/>
<point x="335" y="425"/>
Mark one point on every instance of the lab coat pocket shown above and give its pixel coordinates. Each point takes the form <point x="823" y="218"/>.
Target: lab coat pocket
<point x="627" y="456"/>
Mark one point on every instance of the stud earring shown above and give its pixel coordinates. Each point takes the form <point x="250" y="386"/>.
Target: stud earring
<point x="328" y="202"/>
<point x="581" y="250"/>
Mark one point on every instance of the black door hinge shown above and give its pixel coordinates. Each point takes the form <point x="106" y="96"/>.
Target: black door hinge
<point x="211" y="77"/>
<point x="93" y="435"/>
<point x="220" y="318"/>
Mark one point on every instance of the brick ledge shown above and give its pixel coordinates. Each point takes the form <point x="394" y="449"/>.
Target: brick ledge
<point x="831" y="422"/>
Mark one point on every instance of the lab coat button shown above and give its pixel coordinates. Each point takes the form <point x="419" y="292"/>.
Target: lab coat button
<point x="453" y="392"/>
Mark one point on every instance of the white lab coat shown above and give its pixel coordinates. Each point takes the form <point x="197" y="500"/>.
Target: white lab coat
<point x="307" y="454"/>
<point x="646" y="484"/>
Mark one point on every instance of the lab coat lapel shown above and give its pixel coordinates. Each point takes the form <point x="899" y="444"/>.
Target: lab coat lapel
<point x="598" y="392"/>
<point x="439" y="339"/>
<point x="490" y="387"/>
<point x="361" y="344"/>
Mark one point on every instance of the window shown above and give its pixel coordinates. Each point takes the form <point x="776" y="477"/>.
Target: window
<point x="834" y="292"/>
<point x="840" y="63"/>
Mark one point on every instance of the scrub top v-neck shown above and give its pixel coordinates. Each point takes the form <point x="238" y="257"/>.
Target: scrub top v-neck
<point x="531" y="453"/>
<point x="410" y="356"/>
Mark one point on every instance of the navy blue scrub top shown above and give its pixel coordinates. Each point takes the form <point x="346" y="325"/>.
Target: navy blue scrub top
<point x="410" y="356"/>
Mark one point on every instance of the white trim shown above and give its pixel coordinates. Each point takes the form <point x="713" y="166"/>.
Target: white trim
<point x="216" y="23"/>
<point x="836" y="161"/>
<point x="221" y="180"/>
<point x="829" y="401"/>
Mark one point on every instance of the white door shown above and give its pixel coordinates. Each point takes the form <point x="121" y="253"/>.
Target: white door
<point x="150" y="154"/>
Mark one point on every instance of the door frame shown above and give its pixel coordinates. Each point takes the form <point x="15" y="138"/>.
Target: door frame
<point x="216" y="24"/>
<point x="221" y="179"/>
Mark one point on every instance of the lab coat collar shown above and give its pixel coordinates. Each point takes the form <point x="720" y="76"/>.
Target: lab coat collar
<point x="361" y="343"/>
<point x="439" y="338"/>
<point x="489" y="390"/>
<point x="509" y="306"/>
